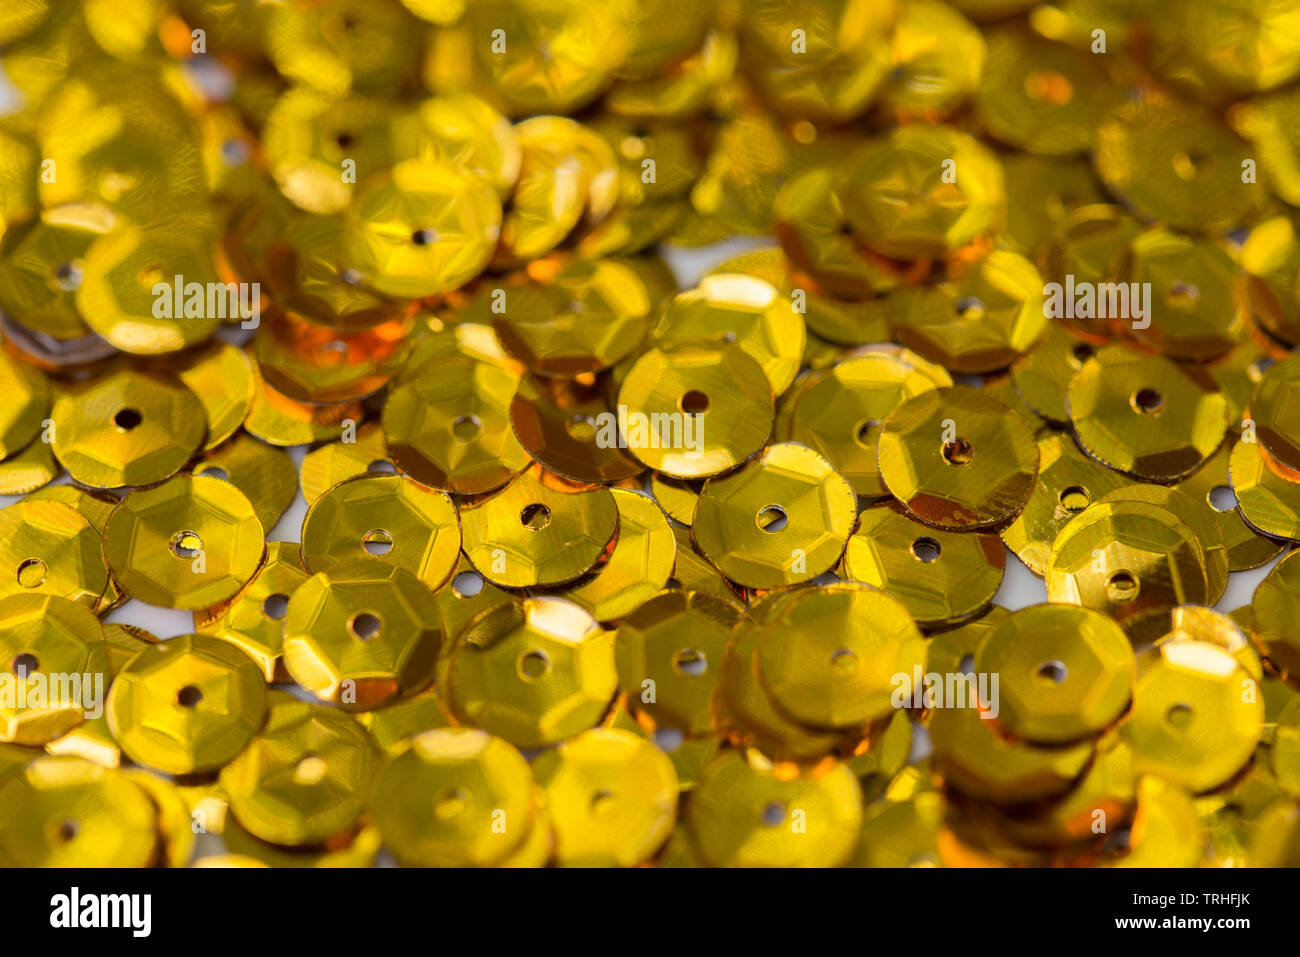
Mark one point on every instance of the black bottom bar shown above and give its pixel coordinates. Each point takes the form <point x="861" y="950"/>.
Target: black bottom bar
<point x="379" y="909"/>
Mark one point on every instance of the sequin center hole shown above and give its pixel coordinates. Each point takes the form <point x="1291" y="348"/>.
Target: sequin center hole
<point x="690" y="661"/>
<point x="185" y="544"/>
<point x="926" y="550"/>
<point x="533" y="665"/>
<point x="536" y="516"/>
<point x="1121" y="587"/>
<point x="364" y="625"/>
<point x="771" y="518"/>
<point x="958" y="452"/>
<point x="377" y="541"/>
<point x="31" y="573"/>
<point x="1147" y="401"/>
<point x="1053" y="671"/>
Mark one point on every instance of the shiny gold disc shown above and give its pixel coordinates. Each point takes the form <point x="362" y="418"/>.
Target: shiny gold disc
<point x="450" y="429"/>
<point x="668" y="654"/>
<point x="1125" y="558"/>
<point x="534" y="672"/>
<point x="54" y="663"/>
<point x="782" y="519"/>
<point x="305" y="777"/>
<point x="612" y="797"/>
<point x="941" y="577"/>
<point x="980" y="319"/>
<point x="361" y="634"/>
<point x="695" y="409"/>
<point x="150" y="290"/>
<point x="539" y="530"/>
<point x="474" y="781"/>
<point x="830" y="659"/>
<point x="68" y="812"/>
<point x="1066" y="672"/>
<point x="48" y="548"/>
<point x="958" y="458"/>
<point x="744" y="815"/>
<point x="190" y="542"/>
<point x="422" y="228"/>
<point x="900" y="203"/>
<point x="1143" y="415"/>
<point x="126" y="428"/>
<point x="186" y="705"/>
<point x="1191" y="722"/>
<point x="390" y="517"/>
